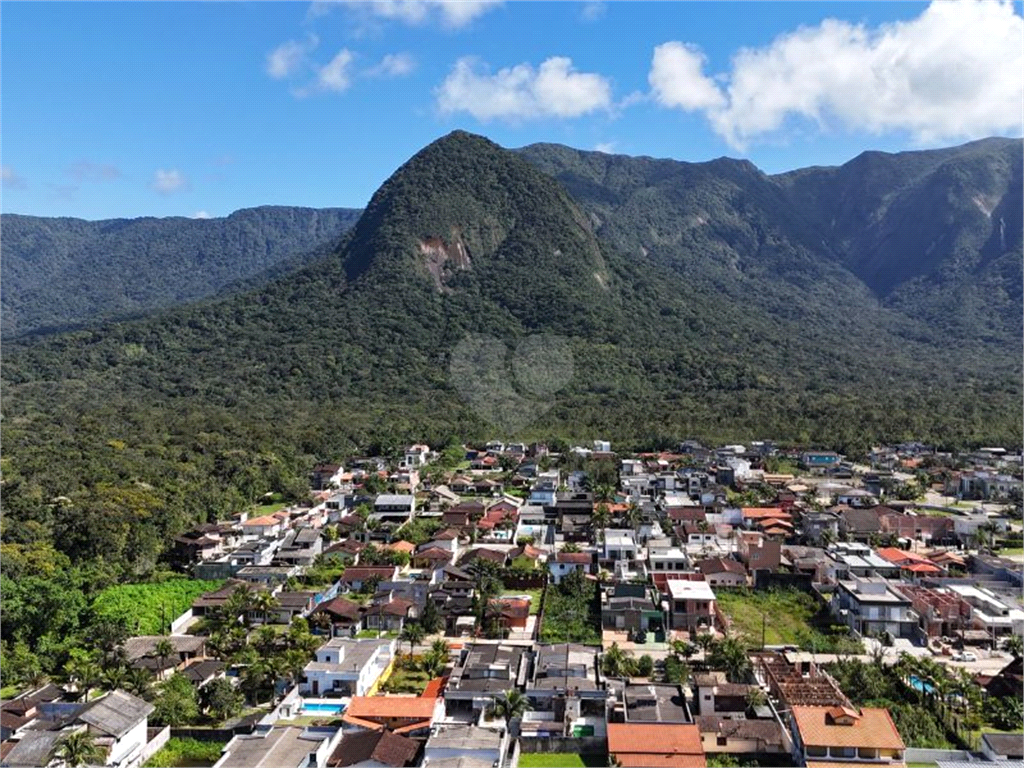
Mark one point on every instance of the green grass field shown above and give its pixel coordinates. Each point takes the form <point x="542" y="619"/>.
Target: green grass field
<point x="560" y="760"/>
<point x="149" y="609"/>
<point x="178" y="753"/>
<point x="787" y="617"/>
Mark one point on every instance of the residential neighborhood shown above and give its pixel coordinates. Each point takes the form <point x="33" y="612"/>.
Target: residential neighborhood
<point x="509" y="605"/>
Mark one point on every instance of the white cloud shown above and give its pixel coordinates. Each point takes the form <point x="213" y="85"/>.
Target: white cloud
<point x="201" y="215"/>
<point x="334" y="76"/>
<point x="85" y="170"/>
<point x="288" y="57"/>
<point x="521" y="92"/>
<point x="449" y="13"/>
<point x="166" y="182"/>
<point x="11" y="179"/>
<point x="677" y="78"/>
<point x="393" y="65"/>
<point x="593" y="11"/>
<point x="607" y="147"/>
<point x="954" y="72"/>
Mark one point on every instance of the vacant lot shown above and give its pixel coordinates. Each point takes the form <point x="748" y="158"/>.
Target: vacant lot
<point x="534" y="597"/>
<point x="560" y="760"/>
<point x="786" y="617"/>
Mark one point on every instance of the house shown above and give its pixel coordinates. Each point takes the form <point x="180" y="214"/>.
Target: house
<point x="926" y="528"/>
<point x="819" y="461"/>
<point x="860" y="524"/>
<point x="652" y="703"/>
<point x="645" y="745"/>
<point x="690" y="604"/>
<point x="820" y="527"/>
<point x="354" y="579"/>
<point x="404" y="715"/>
<point x="823" y="735"/>
<point x="1009" y="681"/>
<point x="759" y="553"/>
<point x="1003" y="746"/>
<point x="619" y="545"/>
<point x="912" y="566"/>
<point x="301" y="547"/>
<point x="940" y="612"/>
<point x="566" y="693"/>
<point x="740" y="736"/>
<point x="431" y="558"/>
<point x="870" y="606"/>
<point x="387" y="613"/>
<point x="279" y="748"/>
<point x="325" y="476"/>
<point x="346" y="667"/>
<point x="851" y="560"/>
<point x="201" y="671"/>
<point x="716" y="695"/>
<point x="483" y="672"/>
<point x="396" y="508"/>
<point x="345" y="617"/>
<point x="266" y="526"/>
<point x="662" y="556"/>
<point x="631" y="607"/>
<point x="495" y="556"/>
<point x="723" y="572"/>
<point x="374" y="749"/>
<point x="290" y="605"/>
<point x="141" y="652"/>
<point x="117" y="723"/>
<point x="513" y="611"/>
<point x="989" y="613"/>
<point x="564" y="563"/>
<point x="466" y="746"/>
<point x="268" y="575"/>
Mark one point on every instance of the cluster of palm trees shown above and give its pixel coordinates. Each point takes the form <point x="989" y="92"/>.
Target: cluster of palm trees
<point x="953" y="694"/>
<point x="727" y="654"/>
<point x="89" y="672"/>
<point x="509" y="705"/>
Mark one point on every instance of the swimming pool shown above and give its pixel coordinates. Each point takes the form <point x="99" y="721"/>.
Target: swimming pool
<point x="322" y="708"/>
<point x="921" y="685"/>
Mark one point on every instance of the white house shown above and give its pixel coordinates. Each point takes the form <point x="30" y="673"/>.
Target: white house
<point x="467" y="745"/>
<point x="619" y="544"/>
<point x="345" y="667"/>
<point x="564" y="563"/>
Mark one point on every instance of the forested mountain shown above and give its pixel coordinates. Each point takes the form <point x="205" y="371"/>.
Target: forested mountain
<point x="58" y="273"/>
<point x="639" y="300"/>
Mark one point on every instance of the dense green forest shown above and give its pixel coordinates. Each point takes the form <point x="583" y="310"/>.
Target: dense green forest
<point x="63" y="273"/>
<point x="745" y="322"/>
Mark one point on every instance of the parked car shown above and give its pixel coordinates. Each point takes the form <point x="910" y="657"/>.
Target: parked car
<point x="965" y="656"/>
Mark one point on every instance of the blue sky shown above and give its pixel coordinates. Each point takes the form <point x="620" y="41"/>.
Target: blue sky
<point x="183" y="109"/>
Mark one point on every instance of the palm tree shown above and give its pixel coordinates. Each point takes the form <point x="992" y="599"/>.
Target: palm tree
<point x="265" y="640"/>
<point x="601" y="517"/>
<point x="634" y="516"/>
<point x="730" y="655"/>
<point x="163" y="651"/>
<point x="1014" y="645"/>
<point x="704" y="641"/>
<point x="264" y="602"/>
<point x="139" y="682"/>
<point x="115" y="678"/>
<point x="80" y="748"/>
<point x="683" y="648"/>
<point x="412" y="633"/>
<point x="321" y="620"/>
<point x="615" y="662"/>
<point x="510" y="705"/>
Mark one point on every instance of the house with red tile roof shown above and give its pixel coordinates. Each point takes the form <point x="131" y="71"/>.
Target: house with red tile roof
<point x="655" y="745"/>
<point x="828" y="736"/>
<point x="398" y="714"/>
<point x="910" y="563"/>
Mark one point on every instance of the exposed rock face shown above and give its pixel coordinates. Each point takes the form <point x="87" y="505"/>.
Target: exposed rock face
<point x="443" y="259"/>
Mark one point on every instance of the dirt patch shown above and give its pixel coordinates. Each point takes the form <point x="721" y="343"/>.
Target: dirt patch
<point x="442" y="259"/>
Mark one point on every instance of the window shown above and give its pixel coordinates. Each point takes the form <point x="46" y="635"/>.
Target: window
<point x="816" y="751"/>
<point x="843" y="751"/>
<point x="722" y="741"/>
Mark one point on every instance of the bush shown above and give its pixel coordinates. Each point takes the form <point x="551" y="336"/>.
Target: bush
<point x="645" y="666"/>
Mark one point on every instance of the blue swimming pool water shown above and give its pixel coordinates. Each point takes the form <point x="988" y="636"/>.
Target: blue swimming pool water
<point x="324" y="709"/>
<point x="921" y="685"/>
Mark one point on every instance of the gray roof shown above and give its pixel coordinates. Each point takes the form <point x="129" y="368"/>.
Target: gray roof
<point x="116" y="713"/>
<point x="395" y="500"/>
<point x="34" y="748"/>
<point x="1009" y="744"/>
<point x="655" y="704"/>
<point x="465" y="738"/>
<point x="306" y="536"/>
<point x="465" y="761"/>
<point x="145" y="645"/>
<point x="278" y="748"/>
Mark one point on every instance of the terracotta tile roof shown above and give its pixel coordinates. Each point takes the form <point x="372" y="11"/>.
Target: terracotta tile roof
<point x="721" y="565"/>
<point x="262" y="521"/>
<point x="434" y="688"/>
<point x="379" y="746"/>
<point x="406" y="707"/>
<point x="847" y="764"/>
<point x="362" y="573"/>
<point x="339" y="606"/>
<point x="756" y="513"/>
<point x="401" y="546"/>
<point x="874" y="729"/>
<point x="677" y="745"/>
<point x="578" y="558"/>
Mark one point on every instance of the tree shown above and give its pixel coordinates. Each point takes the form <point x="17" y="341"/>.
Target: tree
<point x="683" y="648"/>
<point x="139" y="682"/>
<point x="756" y="697"/>
<point x="114" y="678"/>
<point x="412" y="633"/>
<point x="600" y="519"/>
<point x="430" y="619"/>
<point x="634" y="516"/>
<point x="220" y="699"/>
<point x="704" y="641"/>
<point x="176" y="704"/>
<point x="615" y="662"/>
<point x="1014" y="645"/>
<point x="729" y="655"/>
<point x="80" y="748"/>
<point x="570" y="548"/>
<point x="264" y="602"/>
<point x="645" y="666"/>
<point x="509" y="705"/>
<point x="163" y="651"/>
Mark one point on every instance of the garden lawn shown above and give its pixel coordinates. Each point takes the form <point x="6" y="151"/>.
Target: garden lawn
<point x="149" y="609"/>
<point x="788" y="617"/>
<point x="560" y="760"/>
<point x="406" y="681"/>
<point x="179" y="753"/>
<point x="535" y="595"/>
<point x="269" y="509"/>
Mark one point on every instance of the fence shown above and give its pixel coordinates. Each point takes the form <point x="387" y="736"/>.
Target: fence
<point x="209" y="734"/>
<point x="586" y="745"/>
<point x="155" y="740"/>
<point x="181" y="621"/>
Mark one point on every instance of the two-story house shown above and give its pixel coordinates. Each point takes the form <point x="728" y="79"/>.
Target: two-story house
<point x="870" y="606"/>
<point x="346" y="667"/>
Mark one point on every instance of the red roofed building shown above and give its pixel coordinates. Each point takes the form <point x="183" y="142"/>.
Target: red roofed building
<point x="652" y="745"/>
<point x="826" y="736"/>
<point x="913" y="564"/>
<point x="399" y="714"/>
